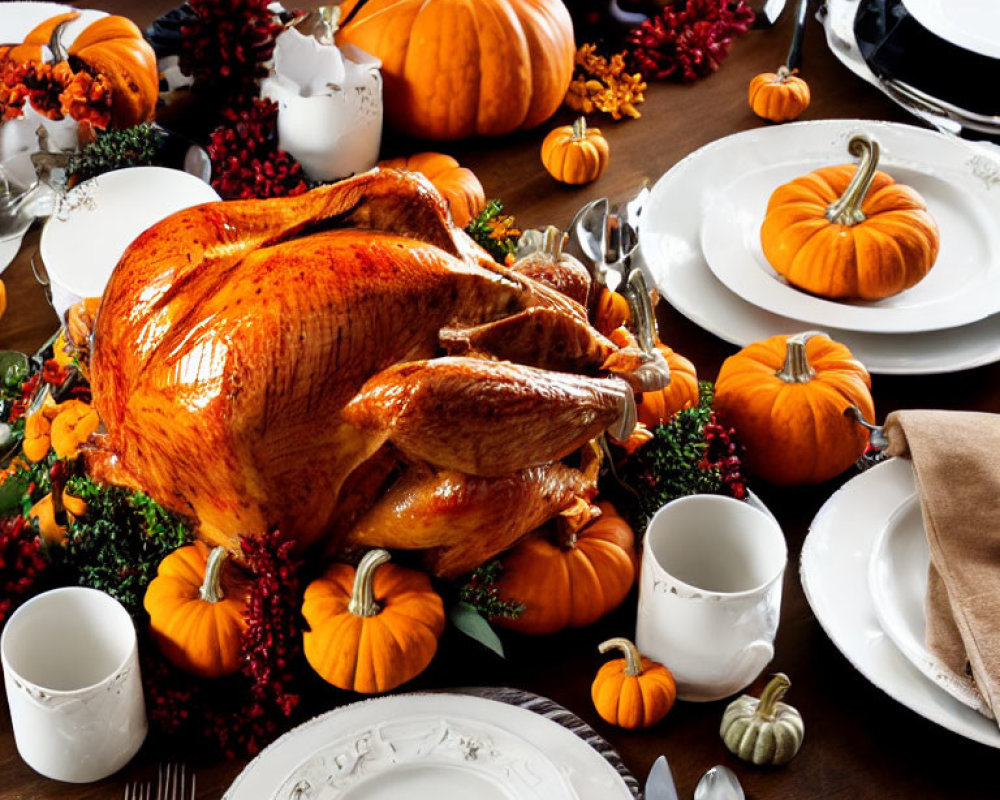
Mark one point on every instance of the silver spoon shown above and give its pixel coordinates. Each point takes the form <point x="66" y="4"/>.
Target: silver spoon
<point x="719" y="783"/>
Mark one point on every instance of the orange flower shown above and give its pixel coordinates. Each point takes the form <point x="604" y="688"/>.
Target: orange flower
<point x="63" y="428"/>
<point x="44" y="514"/>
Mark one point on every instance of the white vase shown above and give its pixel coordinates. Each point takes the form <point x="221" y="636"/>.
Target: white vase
<point x="335" y="131"/>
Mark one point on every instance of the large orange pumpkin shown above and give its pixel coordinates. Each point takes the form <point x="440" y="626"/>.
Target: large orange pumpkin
<point x="786" y="397"/>
<point x="846" y="232"/>
<point x="458" y="68"/>
<point x="569" y="579"/>
<point x="115" y="48"/>
<point x="458" y="185"/>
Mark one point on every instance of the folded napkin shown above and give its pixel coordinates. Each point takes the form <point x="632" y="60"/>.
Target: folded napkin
<point x="956" y="463"/>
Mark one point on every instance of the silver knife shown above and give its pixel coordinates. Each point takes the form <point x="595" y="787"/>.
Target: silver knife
<point x="660" y="782"/>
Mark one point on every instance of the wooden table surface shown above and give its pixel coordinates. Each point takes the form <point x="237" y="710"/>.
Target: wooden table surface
<point x="859" y="742"/>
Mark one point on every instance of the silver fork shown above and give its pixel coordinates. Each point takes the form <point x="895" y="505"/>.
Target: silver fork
<point x="137" y="790"/>
<point x="173" y="783"/>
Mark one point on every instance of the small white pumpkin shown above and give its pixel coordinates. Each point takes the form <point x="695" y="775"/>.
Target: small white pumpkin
<point x="764" y="730"/>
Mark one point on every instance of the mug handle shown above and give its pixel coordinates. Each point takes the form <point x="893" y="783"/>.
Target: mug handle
<point x="745" y="668"/>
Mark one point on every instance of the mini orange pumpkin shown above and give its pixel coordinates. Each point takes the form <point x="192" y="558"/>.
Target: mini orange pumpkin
<point x="682" y="392"/>
<point x="575" y="154"/>
<point x="842" y="232"/>
<point x="610" y="311"/>
<point x="786" y="397"/>
<point x="373" y="628"/>
<point x="458" y="185"/>
<point x="551" y="266"/>
<point x="779" y="96"/>
<point x="196" y="611"/>
<point x="568" y="579"/>
<point x="634" y="691"/>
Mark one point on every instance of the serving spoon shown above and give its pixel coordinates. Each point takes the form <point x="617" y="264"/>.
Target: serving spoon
<point x="719" y="783"/>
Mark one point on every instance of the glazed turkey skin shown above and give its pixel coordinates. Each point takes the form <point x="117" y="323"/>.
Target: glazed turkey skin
<point x="232" y="337"/>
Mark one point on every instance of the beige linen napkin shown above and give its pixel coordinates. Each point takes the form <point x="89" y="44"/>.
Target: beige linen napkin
<point x="956" y="462"/>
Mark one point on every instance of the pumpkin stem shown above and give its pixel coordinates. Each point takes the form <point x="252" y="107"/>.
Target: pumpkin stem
<point x="580" y="128"/>
<point x="846" y="210"/>
<point x="796" y="368"/>
<point x="362" y="602"/>
<point x="59" y="53"/>
<point x="211" y="584"/>
<point x="554" y="241"/>
<point x="633" y="661"/>
<point x="772" y="695"/>
<point x="784" y="73"/>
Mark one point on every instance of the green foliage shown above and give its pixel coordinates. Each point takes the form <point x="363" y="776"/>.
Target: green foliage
<point x="668" y="467"/>
<point x="494" y="231"/>
<point x="137" y="146"/>
<point x="481" y="593"/>
<point x="119" y="543"/>
<point x="474" y="625"/>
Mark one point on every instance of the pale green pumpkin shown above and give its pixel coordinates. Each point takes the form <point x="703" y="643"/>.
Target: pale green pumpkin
<point x="764" y="730"/>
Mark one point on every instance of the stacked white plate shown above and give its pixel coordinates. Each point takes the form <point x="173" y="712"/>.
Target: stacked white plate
<point x="972" y="25"/>
<point x="700" y="238"/>
<point x="864" y="573"/>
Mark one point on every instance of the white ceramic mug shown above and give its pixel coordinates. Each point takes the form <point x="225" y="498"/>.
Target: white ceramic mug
<point x="71" y="669"/>
<point x="710" y="593"/>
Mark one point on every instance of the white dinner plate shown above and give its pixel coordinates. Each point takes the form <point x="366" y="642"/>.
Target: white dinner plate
<point x="962" y="287"/>
<point x="897" y="579"/>
<point x="670" y="239"/>
<point x="970" y="24"/>
<point x="834" y="574"/>
<point x="437" y="746"/>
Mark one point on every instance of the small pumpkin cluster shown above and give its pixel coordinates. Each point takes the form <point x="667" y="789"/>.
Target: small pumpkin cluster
<point x="371" y="628"/>
<point x="113" y="53"/>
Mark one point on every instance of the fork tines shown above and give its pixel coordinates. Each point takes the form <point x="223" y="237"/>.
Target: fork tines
<point x="173" y="783"/>
<point x="137" y="790"/>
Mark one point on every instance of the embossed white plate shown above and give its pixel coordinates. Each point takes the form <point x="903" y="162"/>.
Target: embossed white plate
<point x="429" y="747"/>
<point x="962" y="287"/>
<point x="897" y="579"/>
<point x="671" y="247"/>
<point x="834" y="574"/>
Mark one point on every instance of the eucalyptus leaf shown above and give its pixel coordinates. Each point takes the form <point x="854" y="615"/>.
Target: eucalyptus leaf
<point x="11" y="492"/>
<point x="470" y="622"/>
<point x="13" y="366"/>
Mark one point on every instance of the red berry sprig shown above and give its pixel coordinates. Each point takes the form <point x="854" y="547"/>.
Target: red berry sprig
<point x="246" y="159"/>
<point x="687" y="40"/>
<point x="226" y="44"/>
<point x="722" y="453"/>
<point x="21" y="563"/>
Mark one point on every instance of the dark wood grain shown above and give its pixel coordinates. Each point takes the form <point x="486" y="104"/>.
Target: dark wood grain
<point x="859" y="743"/>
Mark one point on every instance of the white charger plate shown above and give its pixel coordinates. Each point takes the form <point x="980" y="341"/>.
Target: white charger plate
<point x="970" y="24"/>
<point x="671" y="248"/>
<point x="834" y="575"/>
<point x="962" y="287"/>
<point x="897" y="580"/>
<point x="327" y="751"/>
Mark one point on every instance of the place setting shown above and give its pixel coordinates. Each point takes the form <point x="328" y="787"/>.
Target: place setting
<point x="325" y="475"/>
<point x="879" y="41"/>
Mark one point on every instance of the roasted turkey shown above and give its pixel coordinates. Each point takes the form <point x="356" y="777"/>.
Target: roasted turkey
<point x="347" y="365"/>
